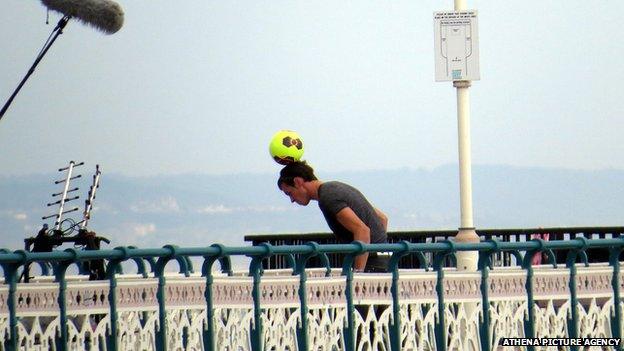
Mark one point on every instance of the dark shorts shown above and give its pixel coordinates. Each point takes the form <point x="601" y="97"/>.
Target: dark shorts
<point x="377" y="263"/>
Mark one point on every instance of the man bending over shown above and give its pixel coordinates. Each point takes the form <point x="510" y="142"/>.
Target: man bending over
<point x="347" y="212"/>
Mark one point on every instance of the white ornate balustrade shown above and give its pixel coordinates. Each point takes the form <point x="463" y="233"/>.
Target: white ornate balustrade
<point x="137" y="308"/>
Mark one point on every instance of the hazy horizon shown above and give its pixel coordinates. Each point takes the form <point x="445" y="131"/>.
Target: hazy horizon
<point x="201" y="210"/>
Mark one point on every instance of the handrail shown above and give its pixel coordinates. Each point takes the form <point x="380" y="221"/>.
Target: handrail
<point x="21" y="256"/>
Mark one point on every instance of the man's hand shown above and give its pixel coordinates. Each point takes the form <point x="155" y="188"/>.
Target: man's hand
<point x="360" y="230"/>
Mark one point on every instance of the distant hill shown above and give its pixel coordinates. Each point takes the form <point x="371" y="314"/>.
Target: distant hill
<point x="193" y="210"/>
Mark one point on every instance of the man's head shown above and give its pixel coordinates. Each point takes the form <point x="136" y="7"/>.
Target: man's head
<point x="292" y="180"/>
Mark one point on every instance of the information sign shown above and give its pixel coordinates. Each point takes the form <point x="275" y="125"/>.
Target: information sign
<point x="456" y="45"/>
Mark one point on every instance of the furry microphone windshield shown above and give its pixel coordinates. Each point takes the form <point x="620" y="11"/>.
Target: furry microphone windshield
<point x="104" y="15"/>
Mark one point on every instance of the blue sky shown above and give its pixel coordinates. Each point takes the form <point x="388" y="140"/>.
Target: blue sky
<point x="200" y="86"/>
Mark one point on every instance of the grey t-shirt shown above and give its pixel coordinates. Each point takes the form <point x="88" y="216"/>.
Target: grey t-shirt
<point x="334" y="196"/>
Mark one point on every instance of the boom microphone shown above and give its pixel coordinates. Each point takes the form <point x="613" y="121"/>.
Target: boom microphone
<point x="104" y="15"/>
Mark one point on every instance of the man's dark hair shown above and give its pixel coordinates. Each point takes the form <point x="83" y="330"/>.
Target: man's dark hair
<point x="295" y="169"/>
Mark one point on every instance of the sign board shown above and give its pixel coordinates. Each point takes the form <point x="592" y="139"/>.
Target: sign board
<point x="456" y="45"/>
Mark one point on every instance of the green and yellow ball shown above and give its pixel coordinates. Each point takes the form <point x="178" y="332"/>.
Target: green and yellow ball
<point x="286" y="146"/>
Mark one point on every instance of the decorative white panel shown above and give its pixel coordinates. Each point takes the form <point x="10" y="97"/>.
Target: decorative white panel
<point x="137" y="308"/>
<point x="418" y="325"/>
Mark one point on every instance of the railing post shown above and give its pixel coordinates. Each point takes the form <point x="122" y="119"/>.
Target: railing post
<point x="209" y="332"/>
<point x="440" y="327"/>
<point x="161" y="333"/>
<point x="616" y="316"/>
<point x="395" y="324"/>
<point x="485" y="264"/>
<point x="347" y="271"/>
<point x="302" y="330"/>
<point x="60" y="270"/>
<point x="10" y="277"/>
<point x="255" y="269"/>
<point x="527" y="264"/>
<point x="112" y="340"/>
<point x="573" y="330"/>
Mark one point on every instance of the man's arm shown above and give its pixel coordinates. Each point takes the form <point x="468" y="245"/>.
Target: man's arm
<point x="384" y="219"/>
<point x="360" y="230"/>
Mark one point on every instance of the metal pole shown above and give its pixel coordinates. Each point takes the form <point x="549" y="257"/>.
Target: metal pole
<point x="89" y="202"/>
<point x="465" y="172"/>
<point x="56" y="32"/>
<point x="465" y="260"/>
<point x="70" y="169"/>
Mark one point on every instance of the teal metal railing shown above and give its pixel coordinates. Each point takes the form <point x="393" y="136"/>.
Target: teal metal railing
<point x="158" y="258"/>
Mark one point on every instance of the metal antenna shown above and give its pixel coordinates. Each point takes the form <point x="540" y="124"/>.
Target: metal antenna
<point x="64" y="199"/>
<point x="86" y="215"/>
